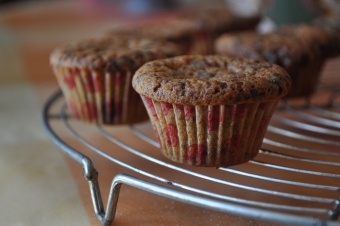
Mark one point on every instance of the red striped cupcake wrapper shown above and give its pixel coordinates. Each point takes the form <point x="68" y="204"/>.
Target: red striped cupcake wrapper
<point x="100" y="97"/>
<point x="221" y="135"/>
<point x="202" y="43"/>
<point x="305" y="79"/>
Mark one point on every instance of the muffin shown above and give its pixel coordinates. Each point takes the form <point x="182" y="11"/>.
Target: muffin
<point x="95" y="76"/>
<point x="170" y="30"/>
<point x="210" y="110"/>
<point x="323" y="39"/>
<point x="292" y="48"/>
<point x="209" y="22"/>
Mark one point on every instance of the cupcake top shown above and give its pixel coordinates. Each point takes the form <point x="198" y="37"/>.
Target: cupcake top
<point x="289" y="46"/>
<point x="173" y="30"/>
<point x="113" y="53"/>
<point x="169" y="29"/>
<point x="211" y="80"/>
<point x="282" y="49"/>
<point x="217" y="18"/>
<point x="324" y="40"/>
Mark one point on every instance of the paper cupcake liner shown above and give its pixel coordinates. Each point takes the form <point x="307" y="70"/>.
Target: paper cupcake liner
<point x="305" y="79"/>
<point x="222" y="135"/>
<point x="202" y="43"/>
<point x="97" y="97"/>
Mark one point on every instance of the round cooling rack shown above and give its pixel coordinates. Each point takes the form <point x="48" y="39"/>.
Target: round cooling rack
<point x="294" y="179"/>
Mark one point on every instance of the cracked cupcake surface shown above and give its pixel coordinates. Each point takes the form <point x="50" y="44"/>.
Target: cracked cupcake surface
<point x="210" y="110"/>
<point x="95" y="76"/>
<point x="301" y="50"/>
<point x="211" y="80"/>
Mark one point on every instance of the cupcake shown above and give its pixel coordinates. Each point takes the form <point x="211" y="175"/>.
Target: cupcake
<point x="292" y="48"/>
<point x="170" y="30"/>
<point x="322" y="39"/>
<point x="95" y="76"/>
<point x="208" y="23"/>
<point x="210" y="110"/>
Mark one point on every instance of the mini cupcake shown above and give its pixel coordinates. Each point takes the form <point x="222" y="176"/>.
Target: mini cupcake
<point x="95" y="76"/>
<point x="210" y="110"/>
<point x="290" y="48"/>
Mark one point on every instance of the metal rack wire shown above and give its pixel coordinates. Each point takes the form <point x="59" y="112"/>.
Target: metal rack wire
<point x="293" y="180"/>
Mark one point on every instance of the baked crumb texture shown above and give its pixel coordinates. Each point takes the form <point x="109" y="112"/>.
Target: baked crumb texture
<point x="202" y="108"/>
<point x="301" y="50"/>
<point x="95" y="76"/>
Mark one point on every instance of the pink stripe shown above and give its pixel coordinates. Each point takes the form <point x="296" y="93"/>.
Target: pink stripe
<point x="189" y="112"/>
<point x="150" y="106"/>
<point x="69" y="81"/>
<point x="241" y="112"/>
<point x="213" y="118"/>
<point x="179" y="107"/>
<point x="196" y="154"/>
<point x="166" y="107"/>
<point x="118" y="78"/>
<point x="233" y="112"/>
<point x="191" y="153"/>
<point x="201" y="155"/>
<point x="171" y="133"/>
<point x="88" y="83"/>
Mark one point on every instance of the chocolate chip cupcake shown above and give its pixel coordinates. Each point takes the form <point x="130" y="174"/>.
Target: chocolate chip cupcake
<point x="292" y="48"/>
<point x="95" y="76"/>
<point x="210" y="110"/>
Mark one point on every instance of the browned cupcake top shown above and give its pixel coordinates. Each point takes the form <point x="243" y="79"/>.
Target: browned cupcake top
<point x="290" y="46"/>
<point x="325" y="41"/>
<point x="169" y="29"/>
<point x="216" y="18"/>
<point x="211" y="80"/>
<point x="113" y="53"/>
<point x="275" y="48"/>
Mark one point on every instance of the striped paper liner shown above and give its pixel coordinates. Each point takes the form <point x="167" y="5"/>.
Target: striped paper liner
<point x="203" y="42"/>
<point x="305" y="79"/>
<point x="101" y="97"/>
<point x="222" y="135"/>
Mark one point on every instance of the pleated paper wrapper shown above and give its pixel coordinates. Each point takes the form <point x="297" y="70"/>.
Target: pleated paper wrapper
<point x="212" y="136"/>
<point x="101" y="97"/>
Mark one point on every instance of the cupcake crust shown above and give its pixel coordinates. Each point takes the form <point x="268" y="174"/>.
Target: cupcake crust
<point x="324" y="40"/>
<point x="211" y="80"/>
<point x="121" y="52"/>
<point x="274" y="48"/>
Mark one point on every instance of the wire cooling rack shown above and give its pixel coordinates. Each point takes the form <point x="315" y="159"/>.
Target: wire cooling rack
<point x="294" y="179"/>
